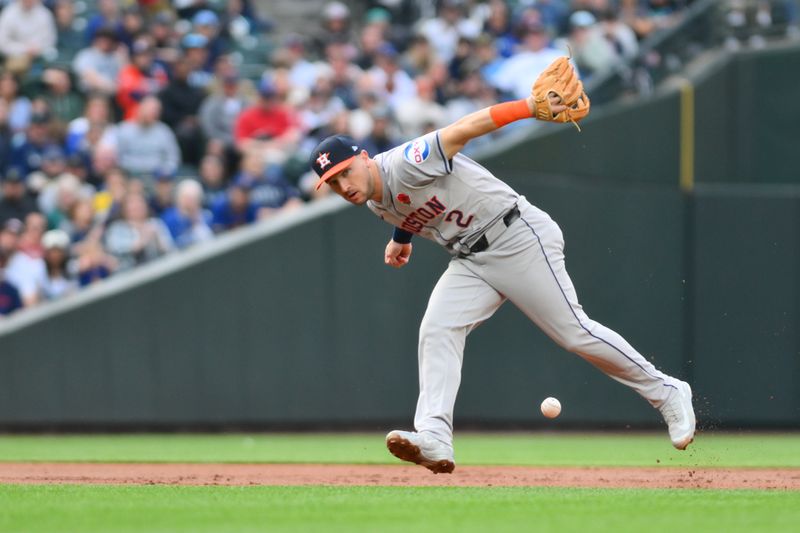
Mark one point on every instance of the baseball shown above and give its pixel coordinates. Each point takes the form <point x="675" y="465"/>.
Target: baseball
<point x="551" y="407"/>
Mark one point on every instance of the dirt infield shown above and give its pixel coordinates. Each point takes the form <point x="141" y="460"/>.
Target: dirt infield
<point x="399" y="475"/>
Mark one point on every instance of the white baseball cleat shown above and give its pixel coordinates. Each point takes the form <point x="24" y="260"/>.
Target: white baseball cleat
<point x="422" y="450"/>
<point x="679" y="415"/>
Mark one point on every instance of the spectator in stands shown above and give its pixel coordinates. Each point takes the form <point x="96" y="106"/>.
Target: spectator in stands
<point x="396" y="34"/>
<point x="80" y="222"/>
<point x="145" y="145"/>
<point x="108" y="15"/>
<point x="421" y="110"/>
<point x="499" y="28"/>
<point x="70" y="34"/>
<point x="444" y="31"/>
<point x="359" y="121"/>
<point x="234" y="209"/>
<point x="78" y="166"/>
<point x="321" y="106"/>
<point x="27" y="30"/>
<point x="240" y="19"/>
<point x="188" y="222"/>
<point x="142" y="77"/>
<point x="26" y="273"/>
<point x="392" y="82"/>
<point x="473" y="93"/>
<point x="214" y="180"/>
<point x="94" y="264"/>
<point x="132" y="25"/>
<point x="621" y="37"/>
<point x="292" y="56"/>
<point x="53" y="164"/>
<point x="99" y="65"/>
<point x="27" y="149"/>
<point x="15" y="202"/>
<point x="9" y="296"/>
<point x="369" y="41"/>
<point x="418" y="57"/>
<point x="30" y="240"/>
<point x="592" y="53"/>
<point x="136" y="238"/>
<point x="163" y="196"/>
<point x="9" y="238"/>
<point x="269" y="190"/>
<point x="61" y="196"/>
<point x="93" y="127"/>
<point x="207" y="24"/>
<point x="646" y="16"/>
<point x="181" y="101"/>
<point x="221" y="109"/>
<point x="343" y="76"/>
<point x="10" y="299"/>
<point x="270" y="126"/>
<point x="107" y="202"/>
<point x="58" y="281"/>
<point x="553" y="14"/>
<point x="62" y="99"/>
<point x="165" y="38"/>
<point x="102" y="158"/>
<point x="5" y="137"/>
<point x="463" y="60"/>
<point x="382" y="136"/>
<point x="195" y="56"/>
<point x="519" y="72"/>
<point x="335" y="28"/>
<point x="19" y="106"/>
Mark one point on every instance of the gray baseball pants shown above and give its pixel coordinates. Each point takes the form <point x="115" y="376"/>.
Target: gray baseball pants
<point x="526" y="266"/>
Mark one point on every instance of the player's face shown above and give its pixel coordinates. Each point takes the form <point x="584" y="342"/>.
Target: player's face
<point x="355" y="183"/>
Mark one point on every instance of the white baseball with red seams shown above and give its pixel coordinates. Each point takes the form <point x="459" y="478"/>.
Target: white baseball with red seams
<point x="551" y="407"/>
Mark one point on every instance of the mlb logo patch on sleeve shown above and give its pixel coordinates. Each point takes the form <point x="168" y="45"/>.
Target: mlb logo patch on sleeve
<point x="417" y="151"/>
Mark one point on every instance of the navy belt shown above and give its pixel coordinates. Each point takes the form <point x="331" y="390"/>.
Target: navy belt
<point x="483" y="243"/>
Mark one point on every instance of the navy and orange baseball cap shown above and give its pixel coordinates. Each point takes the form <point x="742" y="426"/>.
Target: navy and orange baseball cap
<point x="333" y="155"/>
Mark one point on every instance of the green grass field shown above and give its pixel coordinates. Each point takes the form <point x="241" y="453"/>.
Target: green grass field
<point x="105" y="509"/>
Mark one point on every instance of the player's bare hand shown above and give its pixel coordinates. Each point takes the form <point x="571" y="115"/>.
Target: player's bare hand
<point x="555" y="103"/>
<point x="397" y="255"/>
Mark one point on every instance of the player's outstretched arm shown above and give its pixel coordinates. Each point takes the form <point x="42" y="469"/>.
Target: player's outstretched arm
<point x="557" y="96"/>
<point x="455" y="136"/>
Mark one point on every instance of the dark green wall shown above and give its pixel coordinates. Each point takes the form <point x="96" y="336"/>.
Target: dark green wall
<point x="746" y="125"/>
<point x="747" y="343"/>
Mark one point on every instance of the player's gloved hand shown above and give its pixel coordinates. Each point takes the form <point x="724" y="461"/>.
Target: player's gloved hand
<point x="397" y="255"/>
<point x="558" y="95"/>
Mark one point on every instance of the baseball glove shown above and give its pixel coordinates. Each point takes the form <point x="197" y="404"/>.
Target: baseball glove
<point x="560" y="79"/>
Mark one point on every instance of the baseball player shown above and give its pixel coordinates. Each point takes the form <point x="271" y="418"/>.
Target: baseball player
<point x="502" y="247"/>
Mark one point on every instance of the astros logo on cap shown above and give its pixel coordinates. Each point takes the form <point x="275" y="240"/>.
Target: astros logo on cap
<point x="334" y="154"/>
<point x="323" y="160"/>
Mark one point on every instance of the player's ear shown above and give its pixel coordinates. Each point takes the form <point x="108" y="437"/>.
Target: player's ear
<point x="364" y="154"/>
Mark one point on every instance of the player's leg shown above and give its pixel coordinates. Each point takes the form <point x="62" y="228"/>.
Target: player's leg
<point x="536" y="281"/>
<point x="460" y="301"/>
<point x="458" y="304"/>
<point x="527" y="265"/>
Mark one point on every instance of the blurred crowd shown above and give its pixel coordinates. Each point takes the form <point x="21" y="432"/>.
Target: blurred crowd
<point x="140" y="127"/>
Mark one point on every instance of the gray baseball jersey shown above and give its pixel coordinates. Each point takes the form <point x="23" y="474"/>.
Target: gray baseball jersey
<point x="451" y="202"/>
